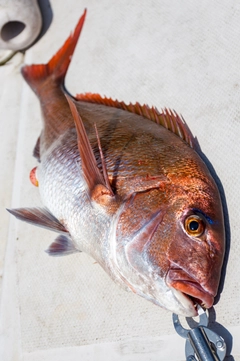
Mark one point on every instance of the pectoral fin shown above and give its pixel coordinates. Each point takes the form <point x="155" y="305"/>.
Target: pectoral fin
<point x="62" y="246"/>
<point x="39" y="217"/>
<point x="98" y="184"/>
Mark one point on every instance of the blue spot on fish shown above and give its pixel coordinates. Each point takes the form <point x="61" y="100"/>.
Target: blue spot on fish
<point x="210" y="220"/>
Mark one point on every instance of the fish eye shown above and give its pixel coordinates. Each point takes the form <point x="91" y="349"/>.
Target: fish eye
<point x="194" y="226"/>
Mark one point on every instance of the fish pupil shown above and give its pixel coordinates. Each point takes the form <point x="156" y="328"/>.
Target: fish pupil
<point x="193" y="226"/>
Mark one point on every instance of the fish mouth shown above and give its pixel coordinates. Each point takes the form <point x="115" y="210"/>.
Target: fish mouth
<point x="180" y="281"/>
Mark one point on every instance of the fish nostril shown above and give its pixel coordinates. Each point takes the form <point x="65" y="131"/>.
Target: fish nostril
<point x="11" y="30"/>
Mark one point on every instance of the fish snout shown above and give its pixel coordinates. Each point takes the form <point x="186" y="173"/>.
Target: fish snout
<point x="180" y="280"/>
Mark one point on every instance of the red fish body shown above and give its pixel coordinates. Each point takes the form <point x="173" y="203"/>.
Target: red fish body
<point x="125" y="184"/>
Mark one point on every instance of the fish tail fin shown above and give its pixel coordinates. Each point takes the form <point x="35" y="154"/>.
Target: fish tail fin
<point x="56" y="68"/>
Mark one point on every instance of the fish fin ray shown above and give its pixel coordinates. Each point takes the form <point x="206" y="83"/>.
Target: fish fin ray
<point x="91" y="171"/>
<point x="57" y="66"/>
<point x="167" y="118"/>
<point x="104" y="166"/>
<point x="62" y="246"/>
<point x="40" y="217"/>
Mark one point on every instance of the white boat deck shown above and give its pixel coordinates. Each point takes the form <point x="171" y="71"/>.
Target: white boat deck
<point x="182" y="55"/>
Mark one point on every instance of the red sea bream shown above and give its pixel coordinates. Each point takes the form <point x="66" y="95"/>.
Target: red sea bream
<point x="125" y="184"/>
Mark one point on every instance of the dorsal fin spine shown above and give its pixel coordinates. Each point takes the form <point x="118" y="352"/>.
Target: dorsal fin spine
<point x="164" y="121"/>
<point x="173" y="124"/>
<point x="156" y="115"/>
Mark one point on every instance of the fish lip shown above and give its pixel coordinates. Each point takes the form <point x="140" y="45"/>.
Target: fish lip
<point x="179" y="280"/>
<point x="186" y="302"/>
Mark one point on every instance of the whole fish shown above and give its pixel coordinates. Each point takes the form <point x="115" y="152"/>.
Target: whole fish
<point x="125" y="184"/>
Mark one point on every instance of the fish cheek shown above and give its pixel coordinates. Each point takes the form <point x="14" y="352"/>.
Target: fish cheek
<point x="136" y="249"/>
<point x="138" y="223"/>
<point x="157" y="250"/>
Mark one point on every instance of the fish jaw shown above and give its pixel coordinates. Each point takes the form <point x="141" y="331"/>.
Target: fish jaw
<point x="146" y="282"/>
<point x="182" y="282"/>
<point x="142" y="279"/>
<point x="150" y="283"/>
<point x="157" y="291"/>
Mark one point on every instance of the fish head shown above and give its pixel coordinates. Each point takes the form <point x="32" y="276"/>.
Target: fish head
<point x="196" y="251"/>
<point x="171" y="244"/>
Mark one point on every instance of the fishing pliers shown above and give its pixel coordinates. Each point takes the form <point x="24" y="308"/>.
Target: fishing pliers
<point x="202" y="344"/>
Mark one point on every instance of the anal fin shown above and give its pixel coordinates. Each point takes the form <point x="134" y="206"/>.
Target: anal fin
<point x="62" y="246"/>
<point x="39" y="217"/>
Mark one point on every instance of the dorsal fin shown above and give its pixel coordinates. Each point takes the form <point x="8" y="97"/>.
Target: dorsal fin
<point x="91" y="171"/>
<point x="169" y="119"/>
